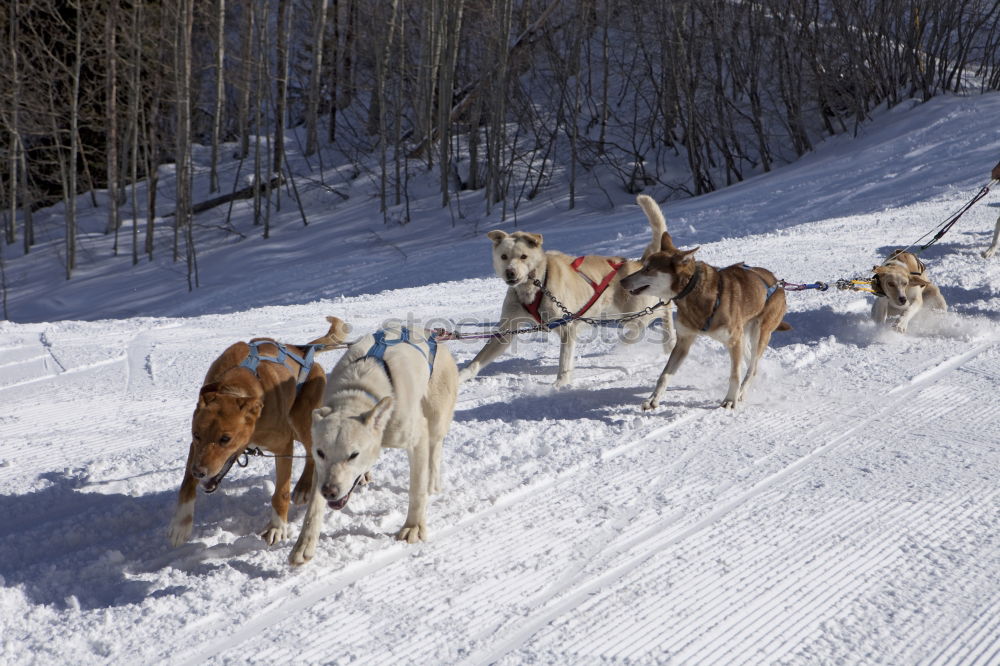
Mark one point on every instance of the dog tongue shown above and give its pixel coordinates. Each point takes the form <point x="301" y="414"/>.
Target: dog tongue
<point x="339" y="504"/>
<point x="342" y="502"/>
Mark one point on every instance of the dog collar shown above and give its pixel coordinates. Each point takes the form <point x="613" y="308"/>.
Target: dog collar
<point x="692" y="283"/>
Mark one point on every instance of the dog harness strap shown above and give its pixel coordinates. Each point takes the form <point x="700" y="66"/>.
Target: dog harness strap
<point x="599" y="288"/>
<point x="534" y="305"/>
<point x="771" y="288"/>
<point x="715" y="308"/>
<point x="253" y="359"/>
<point x="381" y="345"/>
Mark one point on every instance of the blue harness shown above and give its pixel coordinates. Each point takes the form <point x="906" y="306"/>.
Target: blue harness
<point x="254" y="358"/>
<point x="381" y="345"/>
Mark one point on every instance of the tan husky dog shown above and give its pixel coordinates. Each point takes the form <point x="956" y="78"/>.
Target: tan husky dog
<point x="395" y="388"/>
<point x="586" y="286"/>
<point x="258" y="393"/>
<point x="739" y="305"/>
<point x="901" y="288"/>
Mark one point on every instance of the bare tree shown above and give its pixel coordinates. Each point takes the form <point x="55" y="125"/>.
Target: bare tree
<point x="315" y="75"/>
<point x="220" y="92"/>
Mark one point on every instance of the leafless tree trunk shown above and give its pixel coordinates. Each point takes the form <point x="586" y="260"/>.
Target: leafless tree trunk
<point x="452" y="30"/>
<point x="112" y="156"/>
<point x="315" y="76"/>
<point x="74" y="142"/>
<point x="247" y="69"/>
<point x="182" y="92"/>
<point x="381" y="73"/>
<point x="281" y="81"/>
<point x="14" y="121"/>
<point x="220" y="91"/>
<point x="134" y="95"/>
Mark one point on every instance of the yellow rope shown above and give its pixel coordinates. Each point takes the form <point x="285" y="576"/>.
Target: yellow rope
<point x="854" y="285"/>
<point x="857" y="282"/>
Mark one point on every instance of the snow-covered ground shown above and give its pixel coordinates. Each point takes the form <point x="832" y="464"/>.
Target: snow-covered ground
<point x="849" y="513"/>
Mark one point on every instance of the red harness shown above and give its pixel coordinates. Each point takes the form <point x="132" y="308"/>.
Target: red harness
<point x="598" y="287"/>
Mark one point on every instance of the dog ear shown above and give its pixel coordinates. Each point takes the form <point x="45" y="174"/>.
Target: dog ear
<point x="533" y="240"/>
<point x="688" y="255"/>
<point x="918" y="281"/>
<point x="321" y="413"/>
<point x="667" y="243"/>
<point x="251" y="407"/>
<point x="207" y="394"/>
<point x="879" y="270"/>
<point x="496" y="236"/>
<point x="378" y="417"/>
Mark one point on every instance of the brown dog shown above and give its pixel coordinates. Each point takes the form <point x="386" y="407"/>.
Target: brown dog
<point x="738" y="305"/>
<point x="261" y="393"/>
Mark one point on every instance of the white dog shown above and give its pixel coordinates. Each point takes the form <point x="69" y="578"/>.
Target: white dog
<point x="586" y="286"/>
<point x="902" y="286"/>
<point x="395" y="389"/>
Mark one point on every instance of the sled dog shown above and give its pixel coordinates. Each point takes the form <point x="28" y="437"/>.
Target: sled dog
<point x="739" y="305"/>
<point x="259" y="393"/>
<point x="901" y="288"/>
<point x="587" y="285"/>
<point x="395" y="388"/>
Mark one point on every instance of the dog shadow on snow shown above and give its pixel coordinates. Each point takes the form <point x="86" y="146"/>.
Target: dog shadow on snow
<point x="568" y="403"/>
<point x="68" y="547"/>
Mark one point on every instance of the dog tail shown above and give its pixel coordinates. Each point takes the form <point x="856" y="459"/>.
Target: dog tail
<point x="661" y="240"/>
<point x="335" y="336"/>
<point x="784" y="326"/>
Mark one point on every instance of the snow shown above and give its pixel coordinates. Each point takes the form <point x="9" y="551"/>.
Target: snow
<point x="848" y="513"/>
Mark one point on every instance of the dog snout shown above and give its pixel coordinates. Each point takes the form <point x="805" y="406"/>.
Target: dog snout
<point x="199" y="471"/>
<point x="330" y="491"/>
<point x="902" y="300"/>
<point x="510" y="274"/>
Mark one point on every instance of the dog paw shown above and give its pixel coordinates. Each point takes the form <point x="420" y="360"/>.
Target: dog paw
<point x="180" y="526"/>
<point x="650" y="403"/>
<point x="366" y="478"/>
<point x="272" y="534"/>
<point x="728" y="404"/>
<point x="413" y="533"/>
<point x="562" y="382"/>
<point x="899" y="328"/>
<point x="467" y="373"/>
<point x="304" y="550"/>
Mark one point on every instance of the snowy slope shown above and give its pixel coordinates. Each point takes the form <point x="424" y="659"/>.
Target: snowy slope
<point x="849" y="513"/>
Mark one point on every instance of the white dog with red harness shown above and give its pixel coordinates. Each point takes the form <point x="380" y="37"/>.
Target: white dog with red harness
<point x="543" y="286"/>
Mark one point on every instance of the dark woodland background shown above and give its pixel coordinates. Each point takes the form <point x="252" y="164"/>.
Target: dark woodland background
<point x="502" y="97"/>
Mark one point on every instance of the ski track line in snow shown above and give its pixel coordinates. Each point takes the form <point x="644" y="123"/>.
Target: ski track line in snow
<point x="532" y="624"/>
<point x="64" y="372"/>
<point x="973" y="644"/>
<point x="761" y="607"/>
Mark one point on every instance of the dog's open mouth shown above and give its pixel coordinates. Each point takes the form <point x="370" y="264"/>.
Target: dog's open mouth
<point x="638" y="290"/>
<point x="342" y="502"/>
<point x="212" y="484"/>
